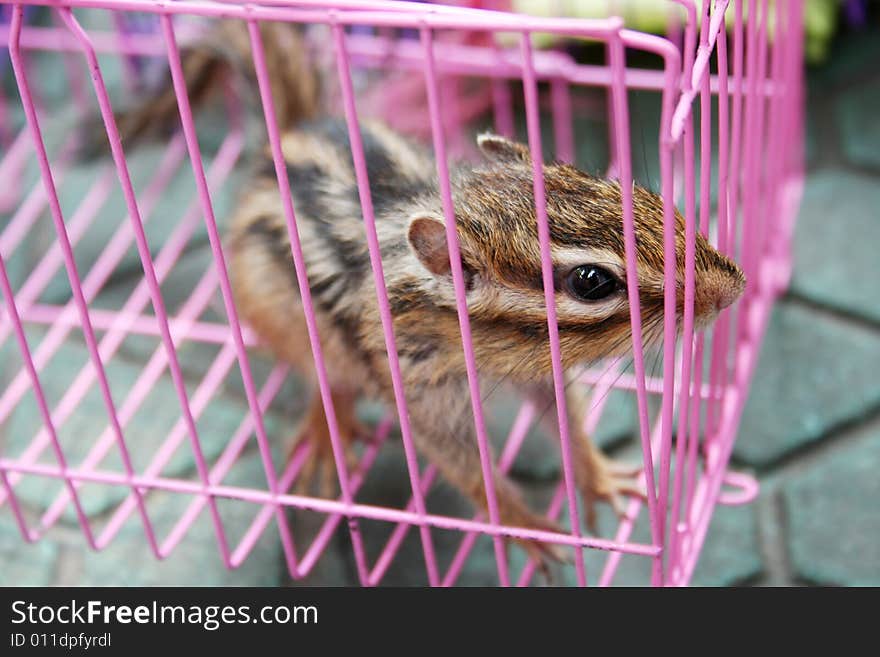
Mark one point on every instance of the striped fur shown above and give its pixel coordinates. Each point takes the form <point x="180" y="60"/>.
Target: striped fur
<point x="496" y="226"/>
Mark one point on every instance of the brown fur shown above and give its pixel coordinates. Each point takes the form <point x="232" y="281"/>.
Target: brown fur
<point x="497" y="231"/>
<point x="500" y="254"/>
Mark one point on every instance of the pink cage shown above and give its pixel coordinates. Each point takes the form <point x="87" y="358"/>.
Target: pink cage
<point x="728" y="79"/>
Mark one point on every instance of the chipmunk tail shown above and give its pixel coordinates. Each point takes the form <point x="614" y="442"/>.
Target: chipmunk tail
<point x="222" y="56"/>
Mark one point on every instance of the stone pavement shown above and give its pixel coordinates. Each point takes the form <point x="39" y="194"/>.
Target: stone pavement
<point x="810" y="433"/>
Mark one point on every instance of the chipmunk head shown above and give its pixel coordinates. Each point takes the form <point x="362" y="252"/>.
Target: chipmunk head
<point x="497" y="230"/>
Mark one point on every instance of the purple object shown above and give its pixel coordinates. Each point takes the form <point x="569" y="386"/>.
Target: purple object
<point x="856" y="12"/>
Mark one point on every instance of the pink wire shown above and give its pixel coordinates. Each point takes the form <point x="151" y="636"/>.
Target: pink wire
<point x="360" y="166"/>
<point x="532" y="119"/>
<point x="73" y="275"/>
<point x="687" y="361"/>
<point x="461" y="304"/>
<point x="759" y="135"/>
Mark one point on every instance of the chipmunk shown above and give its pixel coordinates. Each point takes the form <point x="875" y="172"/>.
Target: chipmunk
<point x="500" y="256"/>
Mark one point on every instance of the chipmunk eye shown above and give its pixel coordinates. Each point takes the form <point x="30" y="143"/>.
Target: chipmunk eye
<point x="592" y="283"/>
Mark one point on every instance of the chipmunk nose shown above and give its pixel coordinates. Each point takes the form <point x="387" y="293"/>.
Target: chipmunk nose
<point x="718" y="287"/>
<point x="727" y="295"/>
<point x="723" y="289"/>
<point x="719" y="282"/>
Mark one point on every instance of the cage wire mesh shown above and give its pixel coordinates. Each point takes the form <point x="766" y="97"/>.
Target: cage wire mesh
<point x="122" y="350"/>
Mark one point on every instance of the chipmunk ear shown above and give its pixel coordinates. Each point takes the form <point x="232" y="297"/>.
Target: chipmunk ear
<point x="502" y="149"/>
<point x="427" y="237"/>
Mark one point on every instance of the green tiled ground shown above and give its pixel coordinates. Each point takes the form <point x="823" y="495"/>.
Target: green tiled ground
<point x="811" y="429"/>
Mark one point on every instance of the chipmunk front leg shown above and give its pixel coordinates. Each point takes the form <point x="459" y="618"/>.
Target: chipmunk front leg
<point x="598" y="477"/>
<point x="443" y="428"/>
<point x="320" y="465"/>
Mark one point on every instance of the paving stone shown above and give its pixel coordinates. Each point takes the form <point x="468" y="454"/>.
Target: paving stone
<point x="539" y="458"/>
<point x="159" y="224"/>
<point x="731" y="553"/>
<point x="24" y="564"/>
<point x="822" y="272"/>
<point x="852" y="57"/>
<point x="74" y="185"/>
<point x="41" y="235"/>
<point x="177" y="286"/>
<point x="591" y="135"/>
<point x="814" y="373"/>
<point x="197" y="357"/>
<point x="47" y="79"/>
<point x="856" y="117"/>
<point x="831" y="508"/>
<point x="806" y="384"/>
<point x="47" y="76"/>
<point x="196" y="561"/>
<point x="387" y="484"/>
<point x="145" y="432"/>
<point x="730" y="556"/>
<point x="335" y="566"/>
<point x="811" y="145"/>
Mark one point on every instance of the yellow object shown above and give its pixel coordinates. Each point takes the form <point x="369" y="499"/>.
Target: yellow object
<point x="820" y="17"/>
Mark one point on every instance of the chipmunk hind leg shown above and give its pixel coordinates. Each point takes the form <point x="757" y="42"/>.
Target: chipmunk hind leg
<point x="268" y="299"/>
<point x="320" y="465"/>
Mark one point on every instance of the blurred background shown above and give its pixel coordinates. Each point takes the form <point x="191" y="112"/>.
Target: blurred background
<point x="810" y="432"/>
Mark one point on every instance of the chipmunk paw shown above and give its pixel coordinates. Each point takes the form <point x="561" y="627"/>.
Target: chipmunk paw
<point x="542" y="553"/>
<point x="319" y="469"/>
<point x="605" y="480"/>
